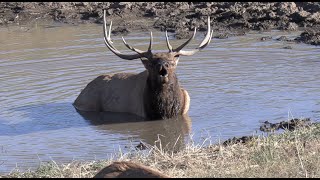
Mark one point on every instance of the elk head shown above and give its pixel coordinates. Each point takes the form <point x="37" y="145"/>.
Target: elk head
<point x="161" y="66"/>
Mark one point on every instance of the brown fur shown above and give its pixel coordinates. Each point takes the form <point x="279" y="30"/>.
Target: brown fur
<point x="146" y="94"/>
<point x="128" y="170"/>
<point x="163" y="101"/>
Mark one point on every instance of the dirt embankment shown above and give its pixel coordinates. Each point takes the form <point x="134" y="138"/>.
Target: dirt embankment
<point x="228" y="18"/>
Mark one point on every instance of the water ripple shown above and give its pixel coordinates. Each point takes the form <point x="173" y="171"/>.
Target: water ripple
<point x="234" y="85"/>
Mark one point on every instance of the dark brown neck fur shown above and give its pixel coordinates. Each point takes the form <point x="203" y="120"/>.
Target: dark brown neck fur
<point x="163" y="101"/>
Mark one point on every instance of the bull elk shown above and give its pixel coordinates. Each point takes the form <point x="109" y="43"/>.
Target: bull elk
<point x="153" y="94"/>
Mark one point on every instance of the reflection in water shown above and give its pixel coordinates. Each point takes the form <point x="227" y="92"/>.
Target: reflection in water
<point x="58" y="132"/>
<point x="41" y="118"/>
<point x="168" y="134"/>
<point x="235" y="84"/>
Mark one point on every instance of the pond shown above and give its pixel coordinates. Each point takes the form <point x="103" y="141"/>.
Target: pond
<point x="234" y="84"/>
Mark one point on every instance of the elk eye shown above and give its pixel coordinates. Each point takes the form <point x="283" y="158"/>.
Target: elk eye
<point x="166" y="64"/>
<point x="176" y="56"/>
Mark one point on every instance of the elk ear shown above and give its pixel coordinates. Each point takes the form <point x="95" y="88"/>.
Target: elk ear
<point x="145" y="62"/>
<point x="176" y="59"/>
<point x="143" y="59"/>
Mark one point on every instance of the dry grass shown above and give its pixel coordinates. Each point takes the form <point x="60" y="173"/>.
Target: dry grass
<point x="291" y="154"/>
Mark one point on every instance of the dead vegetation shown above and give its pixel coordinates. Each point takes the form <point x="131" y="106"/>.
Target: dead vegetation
<point x="291" y="154"/>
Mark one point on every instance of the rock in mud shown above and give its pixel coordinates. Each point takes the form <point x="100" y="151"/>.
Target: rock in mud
<point x="309" y="37"/>
<point x="291" y="26"/>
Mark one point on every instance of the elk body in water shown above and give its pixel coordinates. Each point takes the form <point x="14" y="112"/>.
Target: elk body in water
<point x="154" y="93"/>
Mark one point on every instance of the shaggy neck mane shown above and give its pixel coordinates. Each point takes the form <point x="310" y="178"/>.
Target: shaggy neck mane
<point x="163" y="101"/>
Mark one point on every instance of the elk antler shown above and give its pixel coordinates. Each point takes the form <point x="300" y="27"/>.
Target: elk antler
<point x="202" y="45"/>
<point x="108" y="42"/>
<point x="148" y="53"/>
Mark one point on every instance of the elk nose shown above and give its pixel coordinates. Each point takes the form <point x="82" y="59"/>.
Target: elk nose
<point x="163" y="71"/>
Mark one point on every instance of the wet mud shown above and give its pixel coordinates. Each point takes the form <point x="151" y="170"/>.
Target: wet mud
<point x="285" y="125"/>
<point x="227" y="18"/>
<point x="267" y="126"/>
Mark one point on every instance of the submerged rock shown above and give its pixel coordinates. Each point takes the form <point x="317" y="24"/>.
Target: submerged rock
<point x="265" y="38"/>
<point x="141" y="146"/>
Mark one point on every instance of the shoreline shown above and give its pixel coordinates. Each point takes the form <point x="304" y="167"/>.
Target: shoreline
<point x="227" y="18"/>
<point x="289" y="154"/>
<point x="227" y="21"/>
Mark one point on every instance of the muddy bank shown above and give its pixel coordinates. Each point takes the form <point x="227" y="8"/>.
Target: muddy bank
<point x="228" y="18"/>
<point x="285" y="125"/>
<point x="267" y="126"/>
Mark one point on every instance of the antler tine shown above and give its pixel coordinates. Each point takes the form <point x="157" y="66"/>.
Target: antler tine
<point x="202" y="45"/>
<point x="109" y="34"/>
<point x="207" y="39"/>
<point x="151" y="40"/>
<point x="119" y="54"/>
<point x="187" y="42"/>
<point x="106" y="33"/>
<point x="192" y="52"/>
<point x="132" y="48"/>
<point x="168" y="43"/>
<point x="107" y="41"/>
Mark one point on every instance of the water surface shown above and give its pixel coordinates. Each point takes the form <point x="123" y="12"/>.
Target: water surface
<point x="235" y="84"/>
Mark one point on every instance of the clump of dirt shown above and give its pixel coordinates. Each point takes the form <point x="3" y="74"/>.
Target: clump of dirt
<point x="286" y="125"/>
<point x="309" y="37"/>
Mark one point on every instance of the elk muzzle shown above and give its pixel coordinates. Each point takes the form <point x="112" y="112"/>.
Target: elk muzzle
<point x="163" y="72"/>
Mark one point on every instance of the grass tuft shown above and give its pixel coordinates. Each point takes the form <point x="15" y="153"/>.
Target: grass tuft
<point x="292" y="154"/>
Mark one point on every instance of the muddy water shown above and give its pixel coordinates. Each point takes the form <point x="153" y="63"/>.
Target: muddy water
<point x="235" y="84"/>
